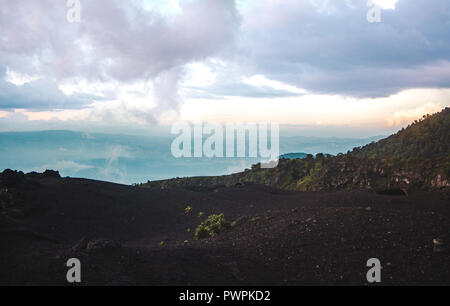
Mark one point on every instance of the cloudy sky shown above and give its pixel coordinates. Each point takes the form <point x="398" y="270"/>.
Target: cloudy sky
<point x="143" y="63"/>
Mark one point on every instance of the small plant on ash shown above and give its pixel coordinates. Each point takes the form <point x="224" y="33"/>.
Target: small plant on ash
<point x="212" y="226"/>
<point x="254" y="219"/>
<point x="188" y="210"/>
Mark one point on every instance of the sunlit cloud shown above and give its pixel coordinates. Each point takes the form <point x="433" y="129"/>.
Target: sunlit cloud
<point x="403" y="117"/>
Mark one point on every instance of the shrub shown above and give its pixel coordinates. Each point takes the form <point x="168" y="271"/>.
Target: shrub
<point x="212" y="226"/>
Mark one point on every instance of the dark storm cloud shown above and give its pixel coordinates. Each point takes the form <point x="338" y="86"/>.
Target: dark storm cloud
<point x="329" y="47"/>
<point x="322" y="46"/>
<point x="39" y="95"/>
<point x="115" y="40"/>
<point x="143" y="44"/>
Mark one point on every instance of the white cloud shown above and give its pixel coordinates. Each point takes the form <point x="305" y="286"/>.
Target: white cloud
<point x="386" y="4"/>
<point x="112" y="167"/>
<point x="19" y="79"/>
<point x="199" y="74"/>
<point x="262" y="81"/>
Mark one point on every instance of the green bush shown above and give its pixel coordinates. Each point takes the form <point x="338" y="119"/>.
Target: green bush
<point x="212" y="226"/>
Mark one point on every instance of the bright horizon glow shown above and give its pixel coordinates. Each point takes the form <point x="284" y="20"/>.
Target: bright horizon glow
<point x="314" y="110"/>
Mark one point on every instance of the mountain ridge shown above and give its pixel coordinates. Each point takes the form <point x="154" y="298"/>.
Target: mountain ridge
<point x="414" y="158"/>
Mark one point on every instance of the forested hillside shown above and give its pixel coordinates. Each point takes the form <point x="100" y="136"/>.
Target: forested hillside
<point x="417" y="157"/>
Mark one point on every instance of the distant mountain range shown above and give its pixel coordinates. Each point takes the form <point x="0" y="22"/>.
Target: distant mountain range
<point x="299" y="155"/>
<point x="294" y="155"/>
<point x="132" y="159"/>
<point x="414" y="158"/>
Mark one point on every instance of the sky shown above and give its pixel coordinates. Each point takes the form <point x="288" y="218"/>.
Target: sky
<point x="127" y="66"/>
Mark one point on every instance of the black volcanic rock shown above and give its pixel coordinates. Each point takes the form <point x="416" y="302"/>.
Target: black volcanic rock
<point x="51" y="173"/>
<point x="10" y="178"/>
<point x="282" y="238"/>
